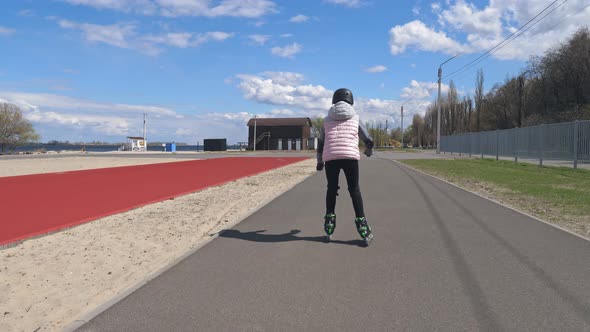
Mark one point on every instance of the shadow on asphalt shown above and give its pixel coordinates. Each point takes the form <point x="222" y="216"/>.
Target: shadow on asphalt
<point x="258" y="236"/>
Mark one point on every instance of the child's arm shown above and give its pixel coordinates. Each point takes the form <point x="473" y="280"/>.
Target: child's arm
<point x="320" y="162"/>
<point x="364" y="135"/>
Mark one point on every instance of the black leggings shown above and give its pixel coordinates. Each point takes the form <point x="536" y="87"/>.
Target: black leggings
<point x="351" y="170"/>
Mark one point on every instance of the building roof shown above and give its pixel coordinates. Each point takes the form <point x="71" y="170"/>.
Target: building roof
<point x="301" y="122"/>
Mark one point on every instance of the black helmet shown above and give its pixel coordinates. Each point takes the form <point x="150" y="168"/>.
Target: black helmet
<point x="343" y="95"/>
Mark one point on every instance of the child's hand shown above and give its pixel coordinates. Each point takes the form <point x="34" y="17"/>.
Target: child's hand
<point x="319" y="166"/>
<point x="368" y="152"/>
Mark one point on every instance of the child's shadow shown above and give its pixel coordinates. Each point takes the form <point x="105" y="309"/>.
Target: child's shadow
<point x="257" y="236"/>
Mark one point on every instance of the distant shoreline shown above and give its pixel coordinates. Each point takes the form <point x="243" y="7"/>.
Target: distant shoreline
<point x="41" y="147"/>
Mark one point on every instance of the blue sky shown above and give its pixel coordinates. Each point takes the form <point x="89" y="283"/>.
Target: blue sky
<point x="86" y="70"/>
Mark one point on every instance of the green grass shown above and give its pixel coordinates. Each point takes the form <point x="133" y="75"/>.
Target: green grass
<point x="398" y="150"/>
<point x="566" y="188"/>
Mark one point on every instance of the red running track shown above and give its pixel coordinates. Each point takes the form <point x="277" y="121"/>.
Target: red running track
<point x="33" y="205"/>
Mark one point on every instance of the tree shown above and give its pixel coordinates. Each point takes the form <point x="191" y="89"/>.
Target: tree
<point x="377" y="132"/>
<point x="316" y="126"/>
<point x="14" y="129"/>
<point x="418" y="130"/>
<point x="479" y="98"/>
<point x="396" y="134"/>
<point x="408" y="136"/>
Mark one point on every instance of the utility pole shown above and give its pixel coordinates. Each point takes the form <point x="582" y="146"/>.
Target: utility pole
<point x="144" y="131"/>
<point x="386" y="134"/>
<point x="438" y="112"/>
<point x="144" y="125"/>
<point x="439" y="104"/>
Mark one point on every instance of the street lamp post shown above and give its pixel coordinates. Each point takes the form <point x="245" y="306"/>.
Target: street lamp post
<point x="439" y="104"/>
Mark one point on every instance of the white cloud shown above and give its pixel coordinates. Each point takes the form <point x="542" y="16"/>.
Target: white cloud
<point x="115" y="35"/>
<point x="187" y="39"/>
<point x="286" y="35"/>
<point x="52" y="101"/>
<point x="105" y="125"/>
<point x="284" y="78"/>
<point x="416" y="10"/>
<point x="295" y="98"/>
<point x="467" y="18"/>
<point x="417" y="34"/>
<point x="376" y="69"/>
<point x="421" y="90"/>
<point x="476" y="29"/>
<point x="80" y="119"/>
<point x="26" y="13"/>
<point x="59" y="117"/>
<point x="185" y="132"/>
<point x="348" y="3"/>
<point x="6" y="31"/>
<point x="259" y="39"/>
<point x="175" y="8"/>
<point x="288" y="51"/>
<point x="299" y="19"/>
<point x="284" y="89"/>
<point x="125" y="35"/>
<point x="281" y="112"/>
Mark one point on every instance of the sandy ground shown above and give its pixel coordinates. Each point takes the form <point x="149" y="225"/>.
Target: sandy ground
<point x="12" y="167"/>
<point x="50" y="282"/>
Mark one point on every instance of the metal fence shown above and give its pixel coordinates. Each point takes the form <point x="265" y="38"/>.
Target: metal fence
<point x="568" y="141"/>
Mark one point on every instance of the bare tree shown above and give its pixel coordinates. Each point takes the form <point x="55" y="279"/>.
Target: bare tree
<point x="479" y="95"/>
<point x="15" y="130"/>
<point x="520" y="101"/>
<point x="418" y="130"/>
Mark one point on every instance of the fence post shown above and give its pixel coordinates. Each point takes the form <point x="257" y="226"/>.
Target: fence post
<point x="576" y="144"/>
<point x="497" y="144"/>
<point x="542" y="148"/>
<point x="480" y="134"/>
<point x="470" y="143"/>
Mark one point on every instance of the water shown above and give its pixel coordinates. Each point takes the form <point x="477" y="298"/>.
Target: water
<point x="99" y="148"/>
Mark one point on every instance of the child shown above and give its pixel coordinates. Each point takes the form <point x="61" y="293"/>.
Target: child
<point x="338" y="149"/>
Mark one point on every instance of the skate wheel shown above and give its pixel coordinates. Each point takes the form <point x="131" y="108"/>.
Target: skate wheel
<point x="368" y="240"/>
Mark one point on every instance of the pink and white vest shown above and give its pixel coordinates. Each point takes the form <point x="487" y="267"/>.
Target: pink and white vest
<point x="341" y="136"/>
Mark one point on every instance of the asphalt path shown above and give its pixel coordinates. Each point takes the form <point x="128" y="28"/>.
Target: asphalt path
<point x="442" y="259"/>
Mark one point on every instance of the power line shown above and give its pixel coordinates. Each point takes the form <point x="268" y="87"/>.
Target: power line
<point x="416" y="98"/>
<point x="504" y="43"/>
<point x="521" y="32"/>
<point x="506" y="40"/>
<point x="551" y="28"/>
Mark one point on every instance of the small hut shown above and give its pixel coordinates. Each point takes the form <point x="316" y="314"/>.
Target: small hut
<point x="136" y="143"/>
